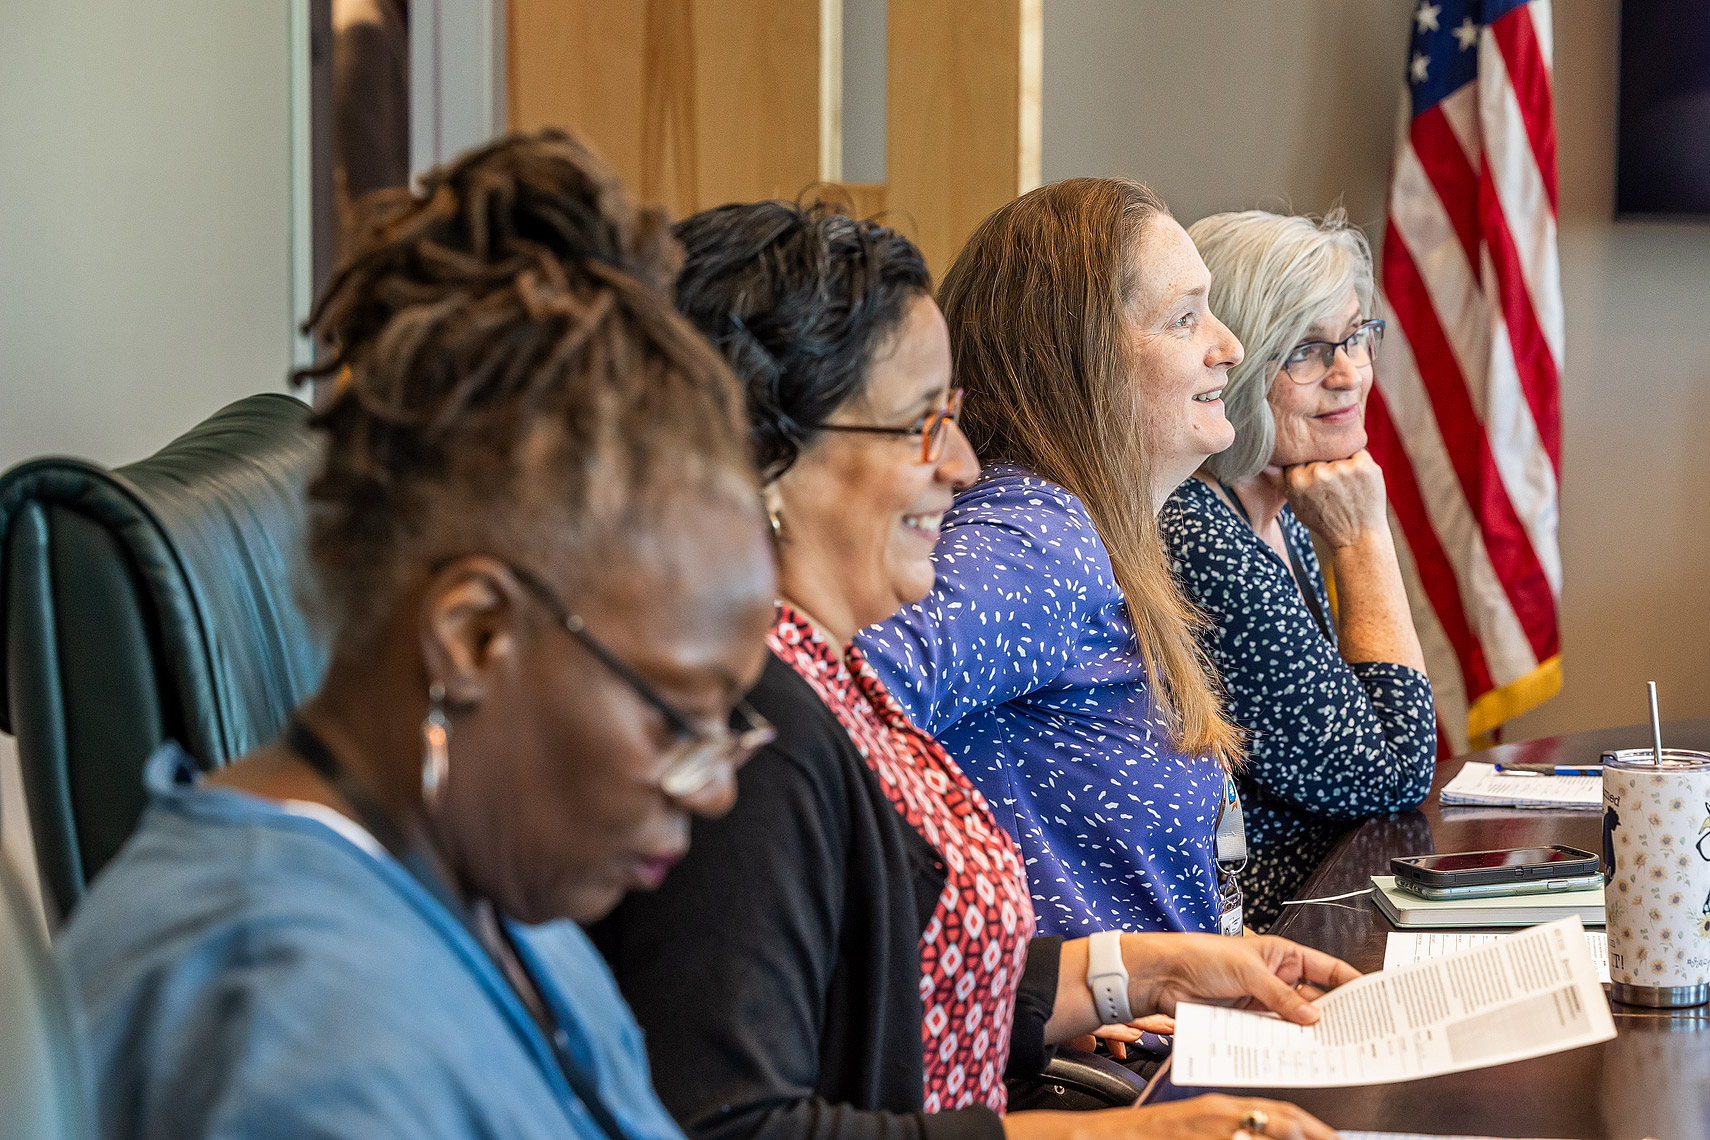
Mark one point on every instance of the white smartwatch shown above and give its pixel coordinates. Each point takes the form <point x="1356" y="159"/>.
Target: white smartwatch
<point x="1107" y="978"/>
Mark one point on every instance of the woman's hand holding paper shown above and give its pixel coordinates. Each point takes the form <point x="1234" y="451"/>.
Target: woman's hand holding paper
<point x="1248" y="973"/>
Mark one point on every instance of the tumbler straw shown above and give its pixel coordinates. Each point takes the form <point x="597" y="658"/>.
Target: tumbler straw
<point x="1656" y="723"/>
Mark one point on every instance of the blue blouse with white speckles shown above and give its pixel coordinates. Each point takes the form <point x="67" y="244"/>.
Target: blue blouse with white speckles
<point x="1023" y="664"/>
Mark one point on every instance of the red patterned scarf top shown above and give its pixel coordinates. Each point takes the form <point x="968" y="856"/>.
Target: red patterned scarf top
<point x="973" y="950"/>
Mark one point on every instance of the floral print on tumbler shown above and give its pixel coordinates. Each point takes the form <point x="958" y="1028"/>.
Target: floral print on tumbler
<point x="1656" y="874"/>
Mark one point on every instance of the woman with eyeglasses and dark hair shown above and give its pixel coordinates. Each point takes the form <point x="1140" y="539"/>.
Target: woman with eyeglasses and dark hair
<point x="1335" y="699"/>
<point x="850" y="953"/>
<point x="538" y="546"/>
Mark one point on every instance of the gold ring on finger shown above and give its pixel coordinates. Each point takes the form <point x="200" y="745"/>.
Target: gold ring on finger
<point x="1256" y="1121"/>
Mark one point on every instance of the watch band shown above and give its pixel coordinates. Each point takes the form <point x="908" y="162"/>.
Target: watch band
<point x="1107" y="978"/>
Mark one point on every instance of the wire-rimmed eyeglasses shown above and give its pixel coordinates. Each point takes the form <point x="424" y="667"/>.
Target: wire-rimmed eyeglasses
<point x="1310" y="361"/>
<point x="702" y="755"/>
<point x="932" y="428"/>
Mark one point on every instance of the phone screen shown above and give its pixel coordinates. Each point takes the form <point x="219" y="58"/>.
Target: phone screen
<point x="1486" y="860"/>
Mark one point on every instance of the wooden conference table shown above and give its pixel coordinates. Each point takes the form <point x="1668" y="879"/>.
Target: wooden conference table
<point x="1652" y="1080"/>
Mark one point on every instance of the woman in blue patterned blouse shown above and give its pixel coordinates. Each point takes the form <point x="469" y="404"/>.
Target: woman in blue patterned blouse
<point x="1055" y="657"/>
<point x="1336" y="702"/>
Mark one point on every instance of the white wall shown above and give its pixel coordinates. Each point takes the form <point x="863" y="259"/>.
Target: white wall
<point x="864" y="49"/>
<point x="144" y="219"/>
<point x="1225" y="104"/>
<point x="144" y="230"/>
<point x="1228" y="104"/>
<point x="459" y="45"/>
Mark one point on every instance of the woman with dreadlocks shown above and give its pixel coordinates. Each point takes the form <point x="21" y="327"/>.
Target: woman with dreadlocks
<point x="540" y="550"/>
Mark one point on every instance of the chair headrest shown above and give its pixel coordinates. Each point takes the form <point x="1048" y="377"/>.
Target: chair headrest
<point x="212" y="527"/>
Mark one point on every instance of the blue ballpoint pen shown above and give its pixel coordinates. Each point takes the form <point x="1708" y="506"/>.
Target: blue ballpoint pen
<point x="1551" y="769"/>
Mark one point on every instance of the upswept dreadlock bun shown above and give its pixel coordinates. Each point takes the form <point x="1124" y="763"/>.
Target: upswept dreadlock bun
<point x="512" y="378"/>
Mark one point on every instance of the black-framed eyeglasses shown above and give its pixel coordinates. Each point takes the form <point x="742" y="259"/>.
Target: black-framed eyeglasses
<point x="1310" y="361"/>
<point x="703" y="755"/>
<point x="932" y="428"/>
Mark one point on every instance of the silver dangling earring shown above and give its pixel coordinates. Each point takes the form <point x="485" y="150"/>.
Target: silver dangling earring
<point x="436" y="745"/>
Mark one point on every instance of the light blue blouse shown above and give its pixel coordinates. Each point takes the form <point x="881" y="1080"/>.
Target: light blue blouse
<point x="244" y="971"/>
<point x="1023" y="664"/>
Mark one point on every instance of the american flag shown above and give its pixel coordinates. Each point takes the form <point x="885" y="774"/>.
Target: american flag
<point x="1465" y="418"/>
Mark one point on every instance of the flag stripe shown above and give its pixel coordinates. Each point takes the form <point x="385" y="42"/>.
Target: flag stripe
<point x="1448" y="689"/>
<point x="1522" y="193"/>
<point x="1462" y="195"/>
<point x="1436" y="574"/>
<point x="1451" y="280"/>
<point x="1461" y="110"/>
<point x="1533" y="360"/>
<point x="1484" y="600"/>
<point x="1529" y="78"/>
<point x="1450" y="175"/>
<point x="1545" y="33"/>
<point x="1527" y="472"/>
<point x="1520" y="189"/>
<point x="1510" y="549"/>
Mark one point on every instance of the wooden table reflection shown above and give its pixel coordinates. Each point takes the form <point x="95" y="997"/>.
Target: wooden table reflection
<point x="1652" y="1080"/>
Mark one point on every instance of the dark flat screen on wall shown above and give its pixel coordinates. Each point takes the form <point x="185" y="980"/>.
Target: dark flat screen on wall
<point x="1663" y="149"/>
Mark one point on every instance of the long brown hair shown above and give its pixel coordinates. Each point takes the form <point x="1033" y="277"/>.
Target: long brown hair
<point x="1036" y="303"/>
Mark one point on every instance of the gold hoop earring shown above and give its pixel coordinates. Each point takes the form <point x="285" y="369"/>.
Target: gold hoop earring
<point x="436" y="745"/>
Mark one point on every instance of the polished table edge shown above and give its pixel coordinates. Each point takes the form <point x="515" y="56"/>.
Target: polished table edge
<point x="1325" y="870"/>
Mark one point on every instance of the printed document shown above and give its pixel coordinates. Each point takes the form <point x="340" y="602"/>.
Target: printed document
<point x="1405" y="946"/>
<point x="1523" y="995"/>
<point x="1482" y="784"/>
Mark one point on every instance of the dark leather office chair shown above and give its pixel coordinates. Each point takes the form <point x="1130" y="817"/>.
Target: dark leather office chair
<point x="150" y="602"/>
<point x="42" y="1090"/>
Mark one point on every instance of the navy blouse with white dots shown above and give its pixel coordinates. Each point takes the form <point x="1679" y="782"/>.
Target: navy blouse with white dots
<point x="1330" y="741"/>
<point x="1023" y="664"/>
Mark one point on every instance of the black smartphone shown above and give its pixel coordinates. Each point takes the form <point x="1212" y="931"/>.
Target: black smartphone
<point x="1473" y="868"/>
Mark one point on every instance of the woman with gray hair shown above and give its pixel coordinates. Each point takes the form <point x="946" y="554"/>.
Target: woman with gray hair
<point x="1335" y="699"/>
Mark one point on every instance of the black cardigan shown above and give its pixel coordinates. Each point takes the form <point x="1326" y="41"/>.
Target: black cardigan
<point x="777" y="971"/>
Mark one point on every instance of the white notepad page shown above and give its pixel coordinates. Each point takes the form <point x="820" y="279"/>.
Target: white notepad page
<point x="1483" y="784"/>
<point x="1523" y="995"/>
<point x="1410" y="946"/>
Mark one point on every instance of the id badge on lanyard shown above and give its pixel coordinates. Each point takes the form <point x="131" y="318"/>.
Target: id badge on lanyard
<point x="1231" y="853"/>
